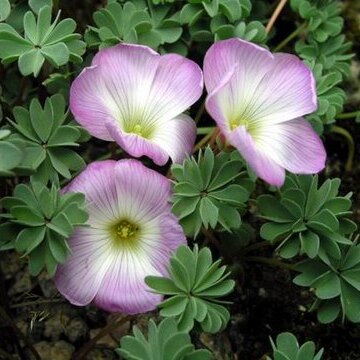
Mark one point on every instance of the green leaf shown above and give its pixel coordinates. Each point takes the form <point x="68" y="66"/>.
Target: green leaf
<point x="350" y="299"/>
<point x="310" y="243"/>
<point x="10" y="156"/>
<point x="209" y="212"/>
<point x="327" y="286"/>
<point x="58" y="246"/>
<point x="27" y="216"/>
<point x="328" y="311"/>
<point x="36" y="5"/>
<point x="28" y="239"/>
<point x="5" y="9"/>
<point x="271" y="231"/>
<point x="31" y="62"/>
<point x="57" y="54"/>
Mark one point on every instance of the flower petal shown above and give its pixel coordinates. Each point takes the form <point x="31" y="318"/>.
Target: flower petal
<point x="80" y="278"/>
<point x="248" y="84"/>
<point x="136" y="145"/>
<point x="293" y="145"/>
<point x="177" y="137"/>
<point x="134" y="85"/>
<point x="286" y="92"/>
<point x="266" y="168"/>
<point x="252" y="60"/>
<point x="123" y="288"/>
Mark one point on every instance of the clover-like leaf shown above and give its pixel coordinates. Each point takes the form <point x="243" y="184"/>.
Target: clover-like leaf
<point x="210" y="191"/>
<point x="195" y="287"/>
<point x="42" y="41"/>
<point x="288" y="348"/>
<point x="49" y="136"/>
<point x="336" y="283"/>
<point x="39" y="220"/>
<point x="133" y="22"/>
<point x="307" y="218"/>
<point x="164" y="342"/>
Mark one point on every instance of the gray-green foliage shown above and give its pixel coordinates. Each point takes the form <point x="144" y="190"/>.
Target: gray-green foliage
<point x="194" y="288"/>
<point x="49" y="137"/>
<point x="327" y="54"/>
<point x="309" y="219"/>
<point x="42" y="41"/>
<point x="133" y="22"/>
<point x="336" y="284"/>
<point x="164" y="342"/>
<point x="210" y="191"/>
<point x="213" y="20"/>
<point x="5" y="9"/>
<point x="288" y="348"/>
<point x="40" y="219"/>
<point x="11" y="155"/>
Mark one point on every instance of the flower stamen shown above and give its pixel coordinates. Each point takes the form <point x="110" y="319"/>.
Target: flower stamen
<point x="125" y="234"/>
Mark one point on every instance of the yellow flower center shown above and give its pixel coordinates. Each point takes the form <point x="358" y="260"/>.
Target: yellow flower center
<point x="125" y="234"/>
<point x="236" y="122"/>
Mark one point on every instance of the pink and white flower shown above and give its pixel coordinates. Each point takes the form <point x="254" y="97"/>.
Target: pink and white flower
<point x="257" y="100"/>
<point x="131" y="233"/>
<point x="132" y="95"/>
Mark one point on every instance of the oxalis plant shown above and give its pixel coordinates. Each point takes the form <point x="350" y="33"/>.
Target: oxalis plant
<point x="160" y="157"/>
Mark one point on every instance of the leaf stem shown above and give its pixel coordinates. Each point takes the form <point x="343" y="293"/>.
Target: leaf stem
<point x="270" y="261"/>
<point x="205" y="130"/>
<point x="350" y="142"/>
<point x="349" y="115"/>
<point x="203" y="141"/>
<point x="293" y="35"/>
<point x="36" y="302"/>
<point x="275" y="15"/>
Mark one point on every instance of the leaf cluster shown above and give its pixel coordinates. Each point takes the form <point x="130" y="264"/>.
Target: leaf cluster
<point x="327" y="54"/>
<point x="39" y="220"/>
<point x="210" y="191"/>
<point x="336" y="283"/>
<point x="164" y="342"/>
<point x="42" y="41"/>
<point x="133" y="22"/>
<point x="194" y="288"/>
<point x="49" y="137"/>
<point x="309" y="219"/>
<point x="214" y="20"/>
<point x="288" y="348"/>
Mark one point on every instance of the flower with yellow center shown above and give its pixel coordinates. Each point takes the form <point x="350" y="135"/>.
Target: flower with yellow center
<point x="131" y="233"/>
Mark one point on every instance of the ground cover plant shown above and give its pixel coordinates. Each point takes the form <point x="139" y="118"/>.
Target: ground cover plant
<point x="179" y="179"/>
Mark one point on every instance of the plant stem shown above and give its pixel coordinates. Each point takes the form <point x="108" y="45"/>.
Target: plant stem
<point x="350" y="142"/>
<point x="270" y="261"/>
<point x="293" y="35"/>
<point x="36" y="302"/>
<point x="349" y="115"/>
<point x="205" y="130"/>
<point x="203" y="141"/>
<point x="79" y="355"/>
<point x="275" y="15"/>
<point x="200" y="112"/>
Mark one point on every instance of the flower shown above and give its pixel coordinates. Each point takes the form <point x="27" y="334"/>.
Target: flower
<point x="132" y="95"/>
<point x="257" y="99"/>
<point x="131" y="234"/>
